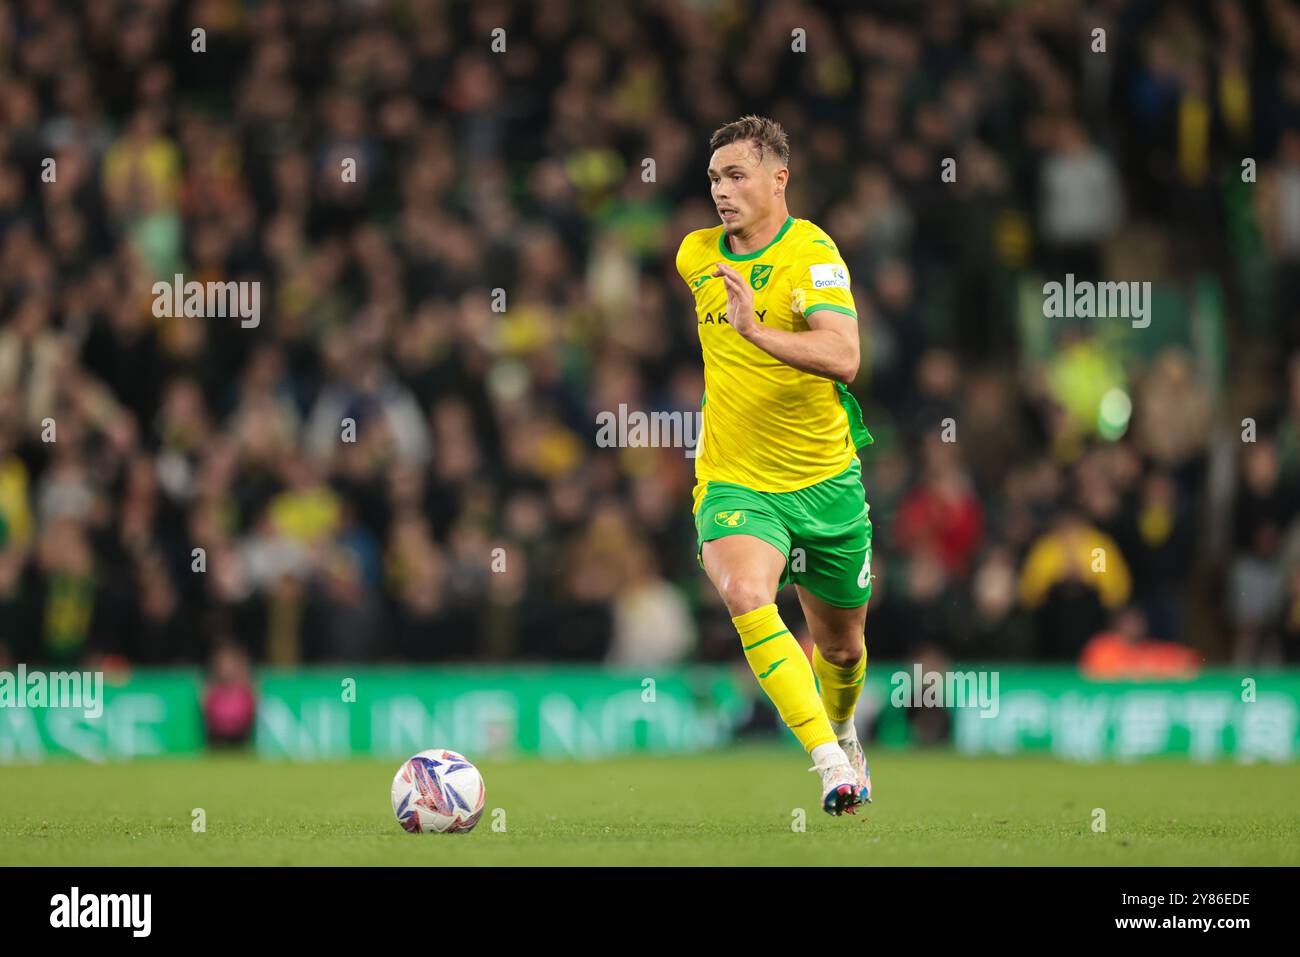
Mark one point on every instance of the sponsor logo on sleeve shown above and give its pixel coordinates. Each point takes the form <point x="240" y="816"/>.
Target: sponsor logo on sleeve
<point x="829" y="276"/>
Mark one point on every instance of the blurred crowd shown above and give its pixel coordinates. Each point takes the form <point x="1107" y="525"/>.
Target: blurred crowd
<point x="462" y="251"/>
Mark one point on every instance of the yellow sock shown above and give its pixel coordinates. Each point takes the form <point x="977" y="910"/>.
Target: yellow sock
<point x="784" y="674"/>
<point x="839" y="687"/>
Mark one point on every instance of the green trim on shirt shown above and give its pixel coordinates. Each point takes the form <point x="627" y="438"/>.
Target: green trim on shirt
<point x="830" y="308"/>
<point x="745" y="257"/>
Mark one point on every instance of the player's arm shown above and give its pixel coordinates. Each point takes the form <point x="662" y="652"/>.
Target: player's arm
<point x="829" y="348"/>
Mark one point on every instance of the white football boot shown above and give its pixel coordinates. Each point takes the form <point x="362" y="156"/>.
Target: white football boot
<point x="840" y="789"/>
<point x="858" y="760"/>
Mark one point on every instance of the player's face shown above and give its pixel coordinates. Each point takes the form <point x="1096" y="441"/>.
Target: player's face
<point x="743" y="188"/>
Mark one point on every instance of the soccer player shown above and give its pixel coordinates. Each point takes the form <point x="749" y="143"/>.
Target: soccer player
<point x="778" y="495"/>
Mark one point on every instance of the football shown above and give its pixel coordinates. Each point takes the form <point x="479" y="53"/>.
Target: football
<point x="438" y="792"/>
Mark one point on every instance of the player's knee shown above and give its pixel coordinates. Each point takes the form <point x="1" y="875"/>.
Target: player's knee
<point x="844" y="654"/>
<point x="742" y="594"/>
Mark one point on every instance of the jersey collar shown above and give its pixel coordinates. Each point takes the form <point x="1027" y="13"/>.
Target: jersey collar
<point x="745" y="257"/>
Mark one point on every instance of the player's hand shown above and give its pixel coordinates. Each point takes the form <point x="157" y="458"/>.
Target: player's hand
<point x="740" y="300"/>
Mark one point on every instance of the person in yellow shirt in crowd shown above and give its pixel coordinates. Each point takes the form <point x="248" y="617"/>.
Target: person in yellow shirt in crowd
<point x="1073" y="576"/>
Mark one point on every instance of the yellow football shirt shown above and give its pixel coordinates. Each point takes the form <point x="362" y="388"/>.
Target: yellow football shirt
<point x="767" y="425"/>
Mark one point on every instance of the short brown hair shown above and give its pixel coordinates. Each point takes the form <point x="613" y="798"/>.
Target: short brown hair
<point x="767" y="136"/>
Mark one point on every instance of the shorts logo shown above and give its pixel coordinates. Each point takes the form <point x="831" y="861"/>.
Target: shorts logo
<point x="829" y="276"/>
<point x="759" y="275"/>
<point x="730" y="519"/>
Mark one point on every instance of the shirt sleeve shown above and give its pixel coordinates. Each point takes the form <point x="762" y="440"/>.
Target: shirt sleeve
<point x="822" y="282"/>
<point x="684" y="259"/>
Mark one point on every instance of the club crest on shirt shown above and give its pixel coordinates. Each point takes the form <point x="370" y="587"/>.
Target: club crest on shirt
<point x="759" y="275"/>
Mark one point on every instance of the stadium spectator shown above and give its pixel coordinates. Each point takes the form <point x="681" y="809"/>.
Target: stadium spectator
<point x="229" y="699"/>
<point x="1071" y="575"/>
<point x="1125" y="652"/>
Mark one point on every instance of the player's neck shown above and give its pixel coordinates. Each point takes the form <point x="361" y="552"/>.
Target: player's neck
<point x="760" y="236"/>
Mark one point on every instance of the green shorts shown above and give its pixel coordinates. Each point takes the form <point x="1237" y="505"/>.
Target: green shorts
<point x="823" y="530"/>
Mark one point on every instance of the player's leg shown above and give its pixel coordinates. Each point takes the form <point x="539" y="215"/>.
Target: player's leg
<point x="832" y="542"/>
<point x="839" y="656"/>
<point x="747" y="572"/>
<point x="840" y="664"/>
<point x="745" y="569"/>
<point x="744" y="548"/>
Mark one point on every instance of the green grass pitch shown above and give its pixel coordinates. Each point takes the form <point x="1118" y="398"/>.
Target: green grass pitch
<point x="734" y="807"/>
